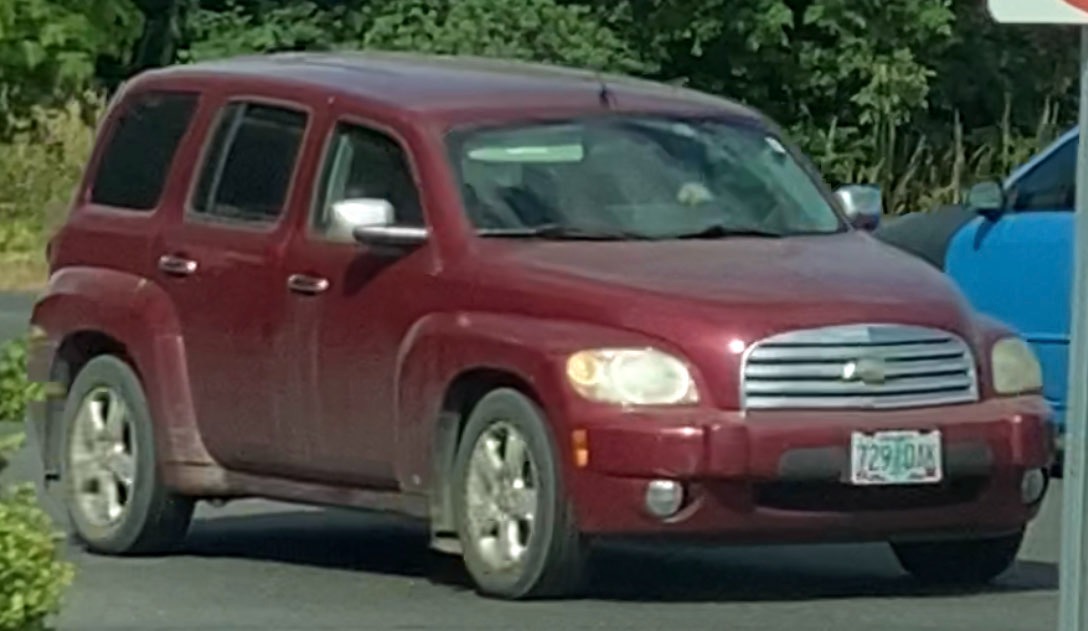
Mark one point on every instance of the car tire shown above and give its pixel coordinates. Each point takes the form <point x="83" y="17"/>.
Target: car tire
<point x="494" y="488"/>
<point x="112" y="483"/>
<point x="964" y="562"/>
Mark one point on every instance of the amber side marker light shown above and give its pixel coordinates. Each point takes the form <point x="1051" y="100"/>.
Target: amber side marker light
<point x="580" y="440"/>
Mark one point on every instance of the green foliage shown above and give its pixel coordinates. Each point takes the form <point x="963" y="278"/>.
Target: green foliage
<point x="266" y="27"/>
<point x="49" y="48"/>
<point x="32" y="576"/>
<point x="536" y="30"/>
<point x="39" y="170"/>
<point x="531" y="30"/>
<point x="850" y="78"/>
<point x="16" y="391"/>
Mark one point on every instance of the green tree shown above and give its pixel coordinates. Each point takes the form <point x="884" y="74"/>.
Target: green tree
<point x="534" y="30"/>
<point x="1003" y="79"/>
<point x="235" y="28"/>
<point x="850" y="78"/>
<point x="49" y="48"/>
<point x="538" y="30"/>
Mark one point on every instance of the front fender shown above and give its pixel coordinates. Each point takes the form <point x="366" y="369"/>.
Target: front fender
<point x="441" y="347"/>
<point x="138" y="315"/>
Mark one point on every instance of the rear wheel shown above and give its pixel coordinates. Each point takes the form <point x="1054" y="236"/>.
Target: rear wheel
<point x="113" y="488"/>
<point x="513" y="515"/>
<point x="966" y="562"/>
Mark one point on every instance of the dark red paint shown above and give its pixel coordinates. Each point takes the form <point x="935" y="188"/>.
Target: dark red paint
<point x="1079" y="4"/>
<point x="335" y="398"/>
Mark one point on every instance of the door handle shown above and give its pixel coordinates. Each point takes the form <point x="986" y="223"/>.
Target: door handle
<point x="177" y="265"/>
<point x="309" y="285"/>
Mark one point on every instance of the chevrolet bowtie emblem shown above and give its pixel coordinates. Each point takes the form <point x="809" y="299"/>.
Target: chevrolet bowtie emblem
<point x="868" y="370"/>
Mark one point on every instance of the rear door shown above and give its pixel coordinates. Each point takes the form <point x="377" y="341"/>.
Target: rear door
<point x="1019" y="268"/>
<point x="221" y="261"/>
<point x="125" y="196"/>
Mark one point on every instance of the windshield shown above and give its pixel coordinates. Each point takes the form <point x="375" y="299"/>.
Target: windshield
<point x="637" y="177"/>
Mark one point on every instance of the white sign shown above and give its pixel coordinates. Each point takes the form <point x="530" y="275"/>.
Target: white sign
<point x="1040" y="11"/>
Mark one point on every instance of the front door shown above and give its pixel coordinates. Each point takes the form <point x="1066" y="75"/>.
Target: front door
<point x="350" y="308"/>
<point x="1019" y="267"/>
<point x="221" y="262"/>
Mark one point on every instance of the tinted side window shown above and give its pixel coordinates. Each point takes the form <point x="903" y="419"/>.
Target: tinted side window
<point x="363" y="163"/>
<point x="250" y="162"/>
<point x="1051" y="185"/>
<point x="140" y="149"/>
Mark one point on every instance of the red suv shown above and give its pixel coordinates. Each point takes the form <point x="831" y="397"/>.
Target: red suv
<point x="532" y="306"/>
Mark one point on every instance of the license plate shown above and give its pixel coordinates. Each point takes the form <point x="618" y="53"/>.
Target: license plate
<point x="896" y="457"/>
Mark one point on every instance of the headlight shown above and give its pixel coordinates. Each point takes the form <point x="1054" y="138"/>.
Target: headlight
<point x="1015" y="367"/>
<point x="631" y="377"/>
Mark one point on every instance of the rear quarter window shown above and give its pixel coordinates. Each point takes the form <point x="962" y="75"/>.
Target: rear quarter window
<point x="140" y="148"/>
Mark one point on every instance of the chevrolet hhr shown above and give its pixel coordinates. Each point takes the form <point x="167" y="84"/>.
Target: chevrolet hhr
<point x="532" y="306"/>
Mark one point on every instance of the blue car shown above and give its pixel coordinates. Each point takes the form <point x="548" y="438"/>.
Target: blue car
<point x="1010" y="251"/>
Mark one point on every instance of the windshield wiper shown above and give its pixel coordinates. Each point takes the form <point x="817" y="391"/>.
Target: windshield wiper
<point x="719" y="231"/>
<point x="559" y="233"/>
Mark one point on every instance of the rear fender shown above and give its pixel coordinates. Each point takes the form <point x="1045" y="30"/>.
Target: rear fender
<point x="137" y="314"/>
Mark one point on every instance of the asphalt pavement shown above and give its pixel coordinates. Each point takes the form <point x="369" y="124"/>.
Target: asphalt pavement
<point x="270" y="566"/>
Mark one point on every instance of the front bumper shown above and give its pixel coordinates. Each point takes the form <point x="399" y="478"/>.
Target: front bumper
<point x="780" y="476"/>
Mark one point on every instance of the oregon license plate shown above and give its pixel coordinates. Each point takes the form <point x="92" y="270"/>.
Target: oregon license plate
<point x="895" y="457"/>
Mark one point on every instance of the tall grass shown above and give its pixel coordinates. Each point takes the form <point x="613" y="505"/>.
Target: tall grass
<point x="39" y="170"/>
<point x="919" y="172"/>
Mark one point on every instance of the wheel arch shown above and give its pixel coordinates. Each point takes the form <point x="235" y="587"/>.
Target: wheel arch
<point x="87" y="312"/>
<point x="72" y="353"/>
<point x="461" y="397"/>
<point x="449" y="361"/>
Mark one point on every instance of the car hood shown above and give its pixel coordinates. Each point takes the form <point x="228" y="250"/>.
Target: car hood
<point x="759" y="284"/>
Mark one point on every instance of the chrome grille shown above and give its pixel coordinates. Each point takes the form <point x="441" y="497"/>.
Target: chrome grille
<point x="870" y="366"/>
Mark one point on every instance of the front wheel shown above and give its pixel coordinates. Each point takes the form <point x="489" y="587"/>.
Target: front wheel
<point x="513" y="516"/>
<point x="966" y="562"/>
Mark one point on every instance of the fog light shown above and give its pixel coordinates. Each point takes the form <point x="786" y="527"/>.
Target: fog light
<point x="1033" y="486"/>
<point x="664" y="497"/>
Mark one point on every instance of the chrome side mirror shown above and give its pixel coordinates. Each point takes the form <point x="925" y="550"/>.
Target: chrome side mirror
<point x="372" y="222"/>
<point x="349" y="214"/>
<point x="987" y="199"/>
<point x="863" y="205"/>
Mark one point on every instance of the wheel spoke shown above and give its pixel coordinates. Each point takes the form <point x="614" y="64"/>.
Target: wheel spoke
<point x="523" y="502"/>
<point x="96" y="416"/>
<point x="116" y="418"/>
<point x="485" y="519"/>
<point x="97" y="499"/>
<point x="112" y="497"/>
<point x="483" y="474"/>
<point x="510" y="541"/>
<point x="492" y="460"/>
<point x="84" y="467"/>
<point x="123" y="468"/>
<point x="490" y="548"/>
<point x="515" y="455"/>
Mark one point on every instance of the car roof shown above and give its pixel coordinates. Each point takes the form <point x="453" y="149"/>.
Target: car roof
<point x="1040" y="157"/>
<point x="435" y="83"/>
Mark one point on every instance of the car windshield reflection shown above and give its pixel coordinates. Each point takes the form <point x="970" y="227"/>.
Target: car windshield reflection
<point x="633" y="177"/>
